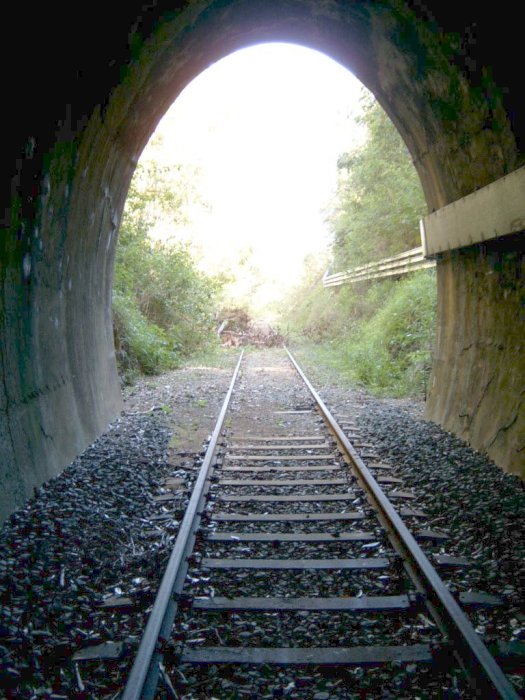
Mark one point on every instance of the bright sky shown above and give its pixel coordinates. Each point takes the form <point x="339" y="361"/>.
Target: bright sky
<point x="265" y="125"/>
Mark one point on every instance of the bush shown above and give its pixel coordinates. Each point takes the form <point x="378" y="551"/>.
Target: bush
<point x="380" y="336"/>
<point x="141" y="347"/>
<point x="163" y="306"/>
<point x="378" y="333"/>
<point x="391" y="351"/>
<point x="379" y="200"/>
<point x="322" y="314"/>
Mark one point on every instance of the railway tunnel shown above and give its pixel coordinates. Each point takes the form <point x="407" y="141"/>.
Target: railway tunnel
<point x="84" y="93"/>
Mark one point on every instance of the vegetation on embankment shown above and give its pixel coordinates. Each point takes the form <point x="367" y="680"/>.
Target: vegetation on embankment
<point x="378" y="334"/>
<point x="163" y="306"/>
<point x="379" y="202"/>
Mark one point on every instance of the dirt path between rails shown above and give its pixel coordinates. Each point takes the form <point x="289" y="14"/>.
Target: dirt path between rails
<point x="189" y="399"/>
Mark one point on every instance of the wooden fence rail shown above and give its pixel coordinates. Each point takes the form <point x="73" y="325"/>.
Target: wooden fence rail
<point x="400" y="264"/>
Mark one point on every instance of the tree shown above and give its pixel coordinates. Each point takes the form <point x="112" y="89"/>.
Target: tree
<point x="163" y="307"/>
<point x="378" y="334"/>
<point x="379" y="200"/>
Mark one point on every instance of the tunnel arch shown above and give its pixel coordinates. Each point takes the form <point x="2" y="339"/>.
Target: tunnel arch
<point x="60" y="386"/>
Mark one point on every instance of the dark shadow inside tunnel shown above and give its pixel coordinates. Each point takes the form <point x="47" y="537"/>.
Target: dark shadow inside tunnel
<point x="60" y="387"/>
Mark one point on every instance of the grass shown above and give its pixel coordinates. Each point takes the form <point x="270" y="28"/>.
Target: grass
<point x="380" y="340"/>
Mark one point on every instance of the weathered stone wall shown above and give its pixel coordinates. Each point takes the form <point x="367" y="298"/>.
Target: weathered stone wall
<point x="60" y="386"/>
<point x="478" y="383"/>
<point x="461" y="139"/>
<point x="58" y="382"/>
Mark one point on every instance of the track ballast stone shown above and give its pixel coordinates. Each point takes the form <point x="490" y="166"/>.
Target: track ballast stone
<point x="90" y="535"/>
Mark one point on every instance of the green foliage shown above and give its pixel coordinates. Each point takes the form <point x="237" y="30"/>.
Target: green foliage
<point x="163" y="307"/>
<point x="379" y="200"/>
<point x="310" y="311"/>
<point x="390" y="352"/>
<point x="380" y="337"/>
<point x="320" y="314"/>
<point x="141" y="346"/>
<point x="378" y="334"/>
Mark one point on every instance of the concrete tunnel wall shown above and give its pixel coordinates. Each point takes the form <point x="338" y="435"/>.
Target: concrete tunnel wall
<point x="59" y="386"/>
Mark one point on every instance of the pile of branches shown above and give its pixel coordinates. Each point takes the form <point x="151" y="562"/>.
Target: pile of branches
<point x="239" y="329"/>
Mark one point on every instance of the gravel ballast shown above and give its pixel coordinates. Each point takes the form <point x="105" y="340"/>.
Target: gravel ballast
<point x="97" y="536"/>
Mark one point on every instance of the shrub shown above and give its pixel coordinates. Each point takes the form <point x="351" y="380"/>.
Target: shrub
<point x="141" y="347"/>
<point x="391" y="350"/>
<point x="163" y="306"/>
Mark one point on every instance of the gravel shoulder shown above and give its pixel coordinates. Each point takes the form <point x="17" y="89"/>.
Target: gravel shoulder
<point x="100" y="532"/>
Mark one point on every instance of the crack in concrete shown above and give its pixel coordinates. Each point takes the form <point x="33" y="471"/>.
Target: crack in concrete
<point x="506" y="427"/>
<point x="470" y="419"/>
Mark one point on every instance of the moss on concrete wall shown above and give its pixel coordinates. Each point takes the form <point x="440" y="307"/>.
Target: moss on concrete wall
<point x="58" y="382"/>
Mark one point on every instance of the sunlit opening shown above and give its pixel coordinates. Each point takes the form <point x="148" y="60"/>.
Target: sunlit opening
<point x="259" y="134"/>
<point x="266" y="193"/>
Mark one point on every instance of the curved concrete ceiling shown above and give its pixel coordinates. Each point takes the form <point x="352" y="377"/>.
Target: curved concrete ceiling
<point x="86" y="90"/>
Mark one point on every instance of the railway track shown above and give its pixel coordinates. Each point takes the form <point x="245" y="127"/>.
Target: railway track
<point x="295" y="524"/>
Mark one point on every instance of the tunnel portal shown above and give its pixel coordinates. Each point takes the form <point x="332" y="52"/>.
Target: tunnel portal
<point x="80" y="118"/>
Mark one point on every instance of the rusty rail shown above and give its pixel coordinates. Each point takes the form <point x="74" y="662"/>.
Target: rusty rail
<point x="487" y="678"/>
<point x="143" y="677"/>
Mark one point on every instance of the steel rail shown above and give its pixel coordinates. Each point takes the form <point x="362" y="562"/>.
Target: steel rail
<point x="143" y="677"/>
<point x="486" y="677"/>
